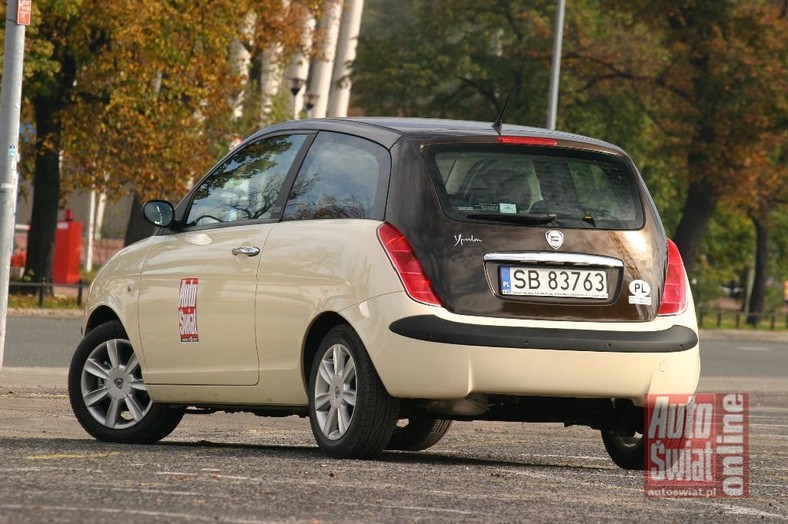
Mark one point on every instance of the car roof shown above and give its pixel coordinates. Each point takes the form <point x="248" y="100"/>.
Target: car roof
<point x="388" y="130"/>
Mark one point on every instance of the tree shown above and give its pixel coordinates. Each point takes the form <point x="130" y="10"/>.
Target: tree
<point x="773" y="189"/>
<point x="169" y="105"/>
<point x="453" y="59"/>
<point x="50" y="71"/>
<point x="711" y="75"/>
<point x="694" y="90"/>
<point x="132" y="95"/>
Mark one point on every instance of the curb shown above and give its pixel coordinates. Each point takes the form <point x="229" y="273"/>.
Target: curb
<point x="744" y="335"/>
<point x="752" y="335"/>
<point x="45" y="312"/>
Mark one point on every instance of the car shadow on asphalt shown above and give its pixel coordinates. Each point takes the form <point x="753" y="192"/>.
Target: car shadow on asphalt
<point x="65" y="448"/>
<point x="394" y="457"/>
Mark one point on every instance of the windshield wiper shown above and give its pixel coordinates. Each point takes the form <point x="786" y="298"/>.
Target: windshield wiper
<point x="528" y="218"/>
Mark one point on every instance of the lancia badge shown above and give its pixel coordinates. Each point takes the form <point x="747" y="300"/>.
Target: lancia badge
<point x="554" y="238"/>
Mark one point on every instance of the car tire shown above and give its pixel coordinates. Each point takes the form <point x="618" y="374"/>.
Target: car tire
<point x="420" y="432"/>
<point x="351" y="413"/>
<point x="627" y="452"/>
<point x="107" y="392"/>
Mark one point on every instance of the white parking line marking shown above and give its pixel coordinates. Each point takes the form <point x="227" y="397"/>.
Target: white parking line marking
<point x="166" y="492"/>
<point x="580" y="457"/>
<point x="556" y="477"/>
<point x="417" y="508"/>
<point x="739" y="510"/>
<point x="125" y="512"/>
<point x="754" y="348"/>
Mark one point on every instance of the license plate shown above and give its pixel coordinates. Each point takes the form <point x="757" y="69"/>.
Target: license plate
<point x="558" y="283"/>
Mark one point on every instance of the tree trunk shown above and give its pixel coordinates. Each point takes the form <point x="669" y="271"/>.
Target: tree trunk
<point x="46" y="191"/>
<point x="137" y="227"/>
<point x="758" y="294"/>
<point x="695" y="217"/>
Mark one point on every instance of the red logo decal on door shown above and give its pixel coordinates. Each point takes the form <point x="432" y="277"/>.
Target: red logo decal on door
<point x="187" y="310"/>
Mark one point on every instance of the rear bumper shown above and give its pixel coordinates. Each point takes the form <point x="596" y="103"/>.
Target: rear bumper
<point x="430" y="328"/>
<point x="428" y="353"/>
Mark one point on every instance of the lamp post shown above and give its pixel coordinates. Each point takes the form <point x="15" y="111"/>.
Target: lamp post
<point x="17" y="16"/>
<point x="310" y="101"/>
<point x="555" y="69"/>
<point x="296" y="85"/>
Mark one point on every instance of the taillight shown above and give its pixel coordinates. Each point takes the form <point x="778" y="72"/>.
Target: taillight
<point x="674" y="294"/>
<point x="408" y="267"/>
<point x="527" y="140"/>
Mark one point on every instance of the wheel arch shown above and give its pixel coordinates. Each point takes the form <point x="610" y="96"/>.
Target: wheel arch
<point x="101" y="315"/>
<point x="319" y="328"/>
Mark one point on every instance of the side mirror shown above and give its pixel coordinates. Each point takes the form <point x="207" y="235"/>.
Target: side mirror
<point x="158" y="212"/>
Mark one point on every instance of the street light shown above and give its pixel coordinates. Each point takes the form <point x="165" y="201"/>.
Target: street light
<point x="296" y="85"/>
<point x="310" y="101"/>
<point x="555" y="69"/>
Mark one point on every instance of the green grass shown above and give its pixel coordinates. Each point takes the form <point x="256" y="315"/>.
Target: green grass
<point x="51" y="302"/>
<point x="727" y="320"/>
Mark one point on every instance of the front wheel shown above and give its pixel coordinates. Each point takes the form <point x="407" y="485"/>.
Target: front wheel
<point x="351" y="413"/>
<point x="107" y="392"/>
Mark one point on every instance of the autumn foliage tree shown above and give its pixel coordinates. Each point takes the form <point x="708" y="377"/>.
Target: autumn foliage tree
<point x="711" y="76"/>
<point x="134" y="95"/>
<point x="695" y="90"/>
<point x="50" y="70"/>
<point x="164" y="90"/>
<point x="455" y="59"/>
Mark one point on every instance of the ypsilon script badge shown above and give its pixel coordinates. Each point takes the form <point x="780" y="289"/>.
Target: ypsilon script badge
<point x="555" y="239"/>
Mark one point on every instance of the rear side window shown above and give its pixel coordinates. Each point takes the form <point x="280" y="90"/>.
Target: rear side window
<point x="342" y="176"/>
<point x="531" y="185"/>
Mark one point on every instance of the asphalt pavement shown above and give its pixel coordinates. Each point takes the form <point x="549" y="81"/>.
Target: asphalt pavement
<point x="36" y="340"/>
<point x="242" y="468"/>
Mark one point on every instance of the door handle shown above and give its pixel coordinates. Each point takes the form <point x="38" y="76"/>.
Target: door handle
<point x="249" y="251"/>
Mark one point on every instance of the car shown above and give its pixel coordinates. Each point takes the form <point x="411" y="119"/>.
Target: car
<point x="385" y="277"/>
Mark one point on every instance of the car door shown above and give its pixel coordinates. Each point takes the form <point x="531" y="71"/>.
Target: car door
<point x="198" y="284"/>
<point x="310" y="264"/>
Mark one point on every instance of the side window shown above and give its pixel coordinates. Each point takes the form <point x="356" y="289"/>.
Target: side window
<point x="342" y="177"/>
<point x="246" y="186"/>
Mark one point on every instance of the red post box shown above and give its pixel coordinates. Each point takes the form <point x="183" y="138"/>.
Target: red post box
<point x="68" y="251"/>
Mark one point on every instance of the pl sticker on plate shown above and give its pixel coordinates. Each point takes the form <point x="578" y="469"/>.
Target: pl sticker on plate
<point x="640" y="293"/>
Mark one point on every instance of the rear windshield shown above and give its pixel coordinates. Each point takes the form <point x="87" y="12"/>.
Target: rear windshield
<point x="538" y="186"/>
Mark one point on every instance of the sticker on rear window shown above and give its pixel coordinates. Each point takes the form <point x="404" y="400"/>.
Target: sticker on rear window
<point x="507" y="208"/>
<point x="639" y="293"/>
<point x="187" y="310"/>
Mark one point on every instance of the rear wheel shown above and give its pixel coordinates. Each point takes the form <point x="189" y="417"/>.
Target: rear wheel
<point x="418" y="432"/>
<point x="627" y="452"/>
<point x="107" y="392"/>
<point x="351" y="413"/>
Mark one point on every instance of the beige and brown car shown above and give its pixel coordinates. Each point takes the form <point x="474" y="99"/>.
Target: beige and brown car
<point x="385" y="277"/>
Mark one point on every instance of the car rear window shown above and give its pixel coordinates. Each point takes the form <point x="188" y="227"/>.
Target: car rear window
<point x="539" y="186"/>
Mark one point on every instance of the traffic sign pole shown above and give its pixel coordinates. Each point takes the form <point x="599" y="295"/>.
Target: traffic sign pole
<point x="17" y="17"/>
